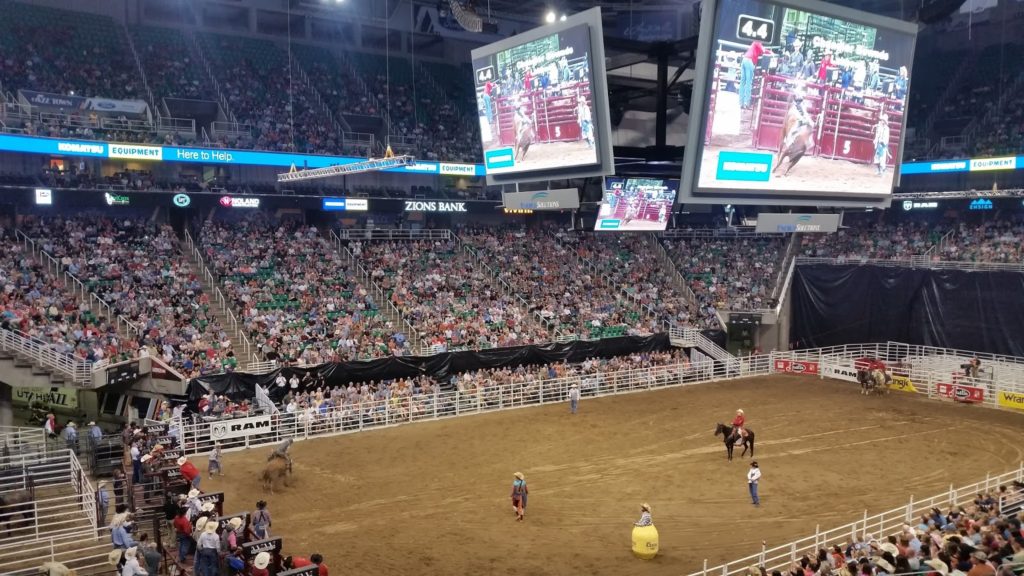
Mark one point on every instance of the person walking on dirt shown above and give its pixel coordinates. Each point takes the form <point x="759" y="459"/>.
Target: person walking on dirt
<point x="753" y="477"/>
<point x="574" y="398"/>
<point x="519" y="494"/>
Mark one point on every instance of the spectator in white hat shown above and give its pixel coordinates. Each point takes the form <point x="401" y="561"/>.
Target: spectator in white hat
<point x="131" y="563"/>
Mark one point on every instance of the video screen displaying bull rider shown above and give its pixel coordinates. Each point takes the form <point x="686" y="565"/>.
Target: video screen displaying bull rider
<point x="535" y="104"/>
<point x="802" y="102"/>
<point x="636" y="204"/>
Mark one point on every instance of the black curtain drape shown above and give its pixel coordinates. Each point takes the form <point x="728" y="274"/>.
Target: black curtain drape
<point x="441" y="367"/>
<point x="979" y="311"/>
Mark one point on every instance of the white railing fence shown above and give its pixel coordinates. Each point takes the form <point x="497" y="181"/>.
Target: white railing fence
<point x="878" y="525"/>
<point x="44" y="355"/>
<point x="17" y="440"/>
<point x="448" y="404"/>
<point x="85" y="555"/>
<point x="65" y="513"/>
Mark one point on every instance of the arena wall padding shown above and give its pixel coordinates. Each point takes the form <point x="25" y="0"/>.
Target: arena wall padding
<point x="978" y="311"/>
<point x="238" y="385"/>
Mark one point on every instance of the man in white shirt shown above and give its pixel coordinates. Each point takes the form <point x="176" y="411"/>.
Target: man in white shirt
<point x="574" y="398"/>
<point x="753" y="476"/>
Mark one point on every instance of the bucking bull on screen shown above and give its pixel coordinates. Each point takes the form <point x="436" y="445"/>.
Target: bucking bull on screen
<point x="797" y="134"/>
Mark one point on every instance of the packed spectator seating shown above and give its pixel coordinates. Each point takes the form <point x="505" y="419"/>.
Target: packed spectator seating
<point x="628" y="260"/>
<point x="59" y="51"/>
<point x="991" y="241"/>
<point x="40" y="306"/>
<point x="137" y="268"/>
<point x="171" y="70"/>
<point x="982" y="84"/>
<point x="728" y="273"/>
<point x="296" y="296"/>
<point x="258" y="93"/>
<point x="548" y="273"/>
<point x="447" y="299"/>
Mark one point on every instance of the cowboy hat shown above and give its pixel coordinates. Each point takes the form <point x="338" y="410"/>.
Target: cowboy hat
<point x="937" y="565"/>
<point x="739" y="410"/>
<point x="210" y="527"/>
<point x="645" y="506"/>
<point x="207" y="507"/>
<point x="182" y="460"/>
<point x="71" y="424"/>
<point x="890" y="548"/>
<point x="193" y="493"/>
<point x="883" y="564"/>
<point x="519" y="475"/>
<point x="235" y="523"/>
<point x="201" y="523"/>
<point x="158" y="447"/>
<point x="262" y="560"/>
<point x="91" y="423"/>
<point x="114" y="557"/>
<point x="131" y="552"/>
<point x="182" y="497"/>
<point x="146" y="458"/>
<point x="118" y="519"/>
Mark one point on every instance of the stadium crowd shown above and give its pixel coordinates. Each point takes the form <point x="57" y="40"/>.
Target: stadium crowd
<point x="137" y="268"/>
<point x="41" y="306"/>
<point x="448" y="299"/>
<point x="295" y="294"/>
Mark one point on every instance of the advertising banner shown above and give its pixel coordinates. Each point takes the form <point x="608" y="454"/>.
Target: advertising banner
<point x="817" y="223"/>
<point x="1014" y="400"/>
<point x="902" y="383"/>
<point x="960" y="392"/>
<point x="345" y="205"/>
<point x="135" y="152"/>
<point x="561" y="199"/>
<point x="66" y="398"/>
<point x="837" y="372"/>
<point x="117" y="106"/>
<point x="239" y="427"/>
<point x="796" y="367"/>
<point x="53" y="101"/>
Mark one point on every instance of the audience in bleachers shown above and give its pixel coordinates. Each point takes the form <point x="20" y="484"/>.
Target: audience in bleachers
<point x="137" y="268"/>
<point x="296" y="296"/>
<point x="171" y="70"/>
<point x="447" y="299"/>
<point x="40" y="306"/>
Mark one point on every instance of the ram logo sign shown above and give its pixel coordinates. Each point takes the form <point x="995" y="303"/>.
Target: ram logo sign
<point x="839" y="372"/>
<point x="240" y="428"/>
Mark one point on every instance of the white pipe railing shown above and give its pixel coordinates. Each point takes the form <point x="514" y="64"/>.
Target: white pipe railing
<point x="350" y="418"/>
<point x="16" y="440"/>
<point x="52" y="516"/>
<point x="45" y="355"/>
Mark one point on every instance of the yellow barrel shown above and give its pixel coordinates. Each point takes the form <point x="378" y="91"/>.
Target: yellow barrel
<point x="645" y="542"/>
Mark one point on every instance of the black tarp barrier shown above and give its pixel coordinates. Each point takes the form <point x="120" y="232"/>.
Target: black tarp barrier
<point x="239" y="385"/>
<point x="979" y="311"/>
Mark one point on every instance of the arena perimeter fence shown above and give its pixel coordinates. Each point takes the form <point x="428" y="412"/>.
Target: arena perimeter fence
<point x="838" y="362"/>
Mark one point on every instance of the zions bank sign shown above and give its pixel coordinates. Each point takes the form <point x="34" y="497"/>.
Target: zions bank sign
<point x="240" y="428"/>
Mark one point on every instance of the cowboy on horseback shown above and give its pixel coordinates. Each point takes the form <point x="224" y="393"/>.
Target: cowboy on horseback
<point x="738" y="433"/>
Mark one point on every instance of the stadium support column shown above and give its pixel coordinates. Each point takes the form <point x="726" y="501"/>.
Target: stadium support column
<point x="661" y="97"/>
<point x="6" y="405"/>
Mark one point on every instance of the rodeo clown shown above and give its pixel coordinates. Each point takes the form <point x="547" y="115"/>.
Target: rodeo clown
<point x="519" y="494"/>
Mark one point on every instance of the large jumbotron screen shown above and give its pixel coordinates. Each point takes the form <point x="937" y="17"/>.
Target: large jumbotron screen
<point x="800" y="99"/>
<point x="542" y="102"/>
<point x="636" y="204"/>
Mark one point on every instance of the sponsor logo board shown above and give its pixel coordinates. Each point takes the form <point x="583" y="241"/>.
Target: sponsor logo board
<point x="839" y="372"/>
<point x="960" y="392"/>
<point x="239" y="428"/>
<point x="902" y="383"/>
<point x="796" y="367"/>
<point x="1014" y="400"/>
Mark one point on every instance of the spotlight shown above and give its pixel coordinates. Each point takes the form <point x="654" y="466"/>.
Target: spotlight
<point x="562" y="18"/>
<point x="550" y="17"/>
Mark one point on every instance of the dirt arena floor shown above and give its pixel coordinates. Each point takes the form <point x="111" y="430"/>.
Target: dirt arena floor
<point x="433" y="498"/>
<point x="556" y="155"/>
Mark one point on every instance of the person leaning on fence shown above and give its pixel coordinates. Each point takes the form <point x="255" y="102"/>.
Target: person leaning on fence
<point x="189" y="472"/>
<point x="261" y="521"/>
<point x="259" y="565"/>
<point x="102" y="503"/>
<point x="208" y="545"/>
<point x="120" y="529"/>
<point x="183" y="532"/>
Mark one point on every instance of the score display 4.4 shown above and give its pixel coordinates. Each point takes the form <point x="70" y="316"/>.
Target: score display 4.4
<point x="798" y="99"/>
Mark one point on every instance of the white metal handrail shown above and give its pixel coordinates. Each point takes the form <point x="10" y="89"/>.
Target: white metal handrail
<point x="45" y="355"/>
<point x="21" y="440"/>
<point x="393" y="234"/>
<point x="367" y="415"/>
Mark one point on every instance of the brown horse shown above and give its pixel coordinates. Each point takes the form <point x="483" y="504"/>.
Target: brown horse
<point x="276" y="468"/>
<point x="798" y="145"/>
<point x="16" y="503"/>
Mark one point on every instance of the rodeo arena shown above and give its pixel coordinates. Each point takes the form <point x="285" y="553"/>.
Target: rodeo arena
<point x="531" y="287"/>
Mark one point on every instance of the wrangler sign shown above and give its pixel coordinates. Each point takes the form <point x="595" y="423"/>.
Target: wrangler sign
<point x="239" y="428"/>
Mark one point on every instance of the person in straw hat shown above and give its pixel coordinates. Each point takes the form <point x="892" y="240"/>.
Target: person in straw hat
<point x="207" y="554"/>
<point x="71" y="437"/>
<point x="131" y="563"/>
<point x="574" y="398"/>
<point x="645" y="516"/>
<point x="259" y="565"/>
<point x="519" y="494"/>
<point x="119" y="525"/>
<point x="189" y="472"/>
